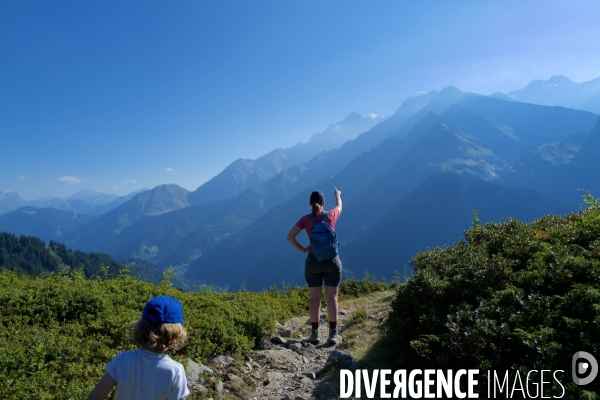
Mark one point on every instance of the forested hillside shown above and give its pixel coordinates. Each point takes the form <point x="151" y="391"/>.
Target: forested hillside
<point x="30" y="255"/>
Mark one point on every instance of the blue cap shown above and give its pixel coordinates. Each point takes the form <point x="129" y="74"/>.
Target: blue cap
<point x="163" y="309"/>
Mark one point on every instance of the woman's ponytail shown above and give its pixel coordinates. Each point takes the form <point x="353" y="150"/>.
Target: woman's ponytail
<point x="316" y="208"/>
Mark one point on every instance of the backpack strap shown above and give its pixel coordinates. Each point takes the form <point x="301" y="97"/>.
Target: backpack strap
<point x="323" y="215"/>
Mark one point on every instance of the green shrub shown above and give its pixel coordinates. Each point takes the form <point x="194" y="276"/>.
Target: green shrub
<point x="357" y="287"/>
<point x="58" y="332"/>
<point x="358" y="316"/>
<point x="514" y="296"/>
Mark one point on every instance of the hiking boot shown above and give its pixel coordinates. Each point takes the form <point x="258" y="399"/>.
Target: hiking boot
<point x="334" y="336"/>
<point x="314" y="337"/>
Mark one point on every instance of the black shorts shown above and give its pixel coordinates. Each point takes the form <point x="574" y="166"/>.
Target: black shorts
<point x="317" y="271"/>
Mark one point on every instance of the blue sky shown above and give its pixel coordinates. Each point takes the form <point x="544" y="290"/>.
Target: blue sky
<point x="118" y="95"/>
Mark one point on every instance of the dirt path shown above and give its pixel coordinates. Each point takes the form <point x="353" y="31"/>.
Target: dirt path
<point x="288" y="367"/>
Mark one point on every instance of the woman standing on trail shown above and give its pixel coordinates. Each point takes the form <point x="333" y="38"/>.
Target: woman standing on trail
<point x="315" y="271"/>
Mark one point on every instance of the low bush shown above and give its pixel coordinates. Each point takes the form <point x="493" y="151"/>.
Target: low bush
<point x="514" y="296"/>
<point x="362" y="287"/>
<point x="357" y="317"/>
<point x="58" y="332"/>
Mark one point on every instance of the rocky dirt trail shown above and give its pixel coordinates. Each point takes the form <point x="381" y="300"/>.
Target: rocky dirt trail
<point x="286" y="366"/>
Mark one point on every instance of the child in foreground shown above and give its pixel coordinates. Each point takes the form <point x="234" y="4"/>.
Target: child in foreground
<point x="148" y="373"/>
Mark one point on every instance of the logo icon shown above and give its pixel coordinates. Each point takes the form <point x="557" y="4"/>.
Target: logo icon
<point x="584" y="368"/>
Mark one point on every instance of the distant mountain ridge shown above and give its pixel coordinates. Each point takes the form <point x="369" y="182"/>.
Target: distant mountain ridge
<point x="433" y="213"/>
<point x="479" y="137"/>
<point x="184" y="242"/>
<point x="446" y="145"/>
<point x="561" y="91"/>
<point x="475" y="135"/>
<point x="562" y="167"/>
<point x="160" y="200"/>
<point x="45" y="223"/>
<point x="111" y="232"/>
<point x="84" y="202"/>
<point x="10" y="201"/>
<point x="243" y="174"/>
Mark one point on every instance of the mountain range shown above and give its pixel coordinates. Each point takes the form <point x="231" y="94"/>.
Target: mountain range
<point x="83" y="202"/>
<point x="45" y="223"/>
<point x="243" y="174"/>
<point x="464" y="140"/>
<point x="409" y="181"/>
<point x="173" y="238"/>
<point x="561" y="91"/>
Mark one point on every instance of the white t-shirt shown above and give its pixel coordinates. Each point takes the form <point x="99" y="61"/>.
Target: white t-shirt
<point x="142" y="374"/>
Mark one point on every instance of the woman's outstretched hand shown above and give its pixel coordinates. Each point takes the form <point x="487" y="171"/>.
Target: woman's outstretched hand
<point x="338" y="199"/>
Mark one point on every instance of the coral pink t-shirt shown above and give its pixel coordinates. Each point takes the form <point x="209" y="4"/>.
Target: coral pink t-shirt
<point x="307" y="222"/>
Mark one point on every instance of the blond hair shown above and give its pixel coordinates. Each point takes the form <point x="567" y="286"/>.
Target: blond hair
<point x="316" y="208"/>
<point x="157" y="336"/>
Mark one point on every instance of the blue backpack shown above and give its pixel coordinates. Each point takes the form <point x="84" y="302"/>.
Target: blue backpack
<point x="323" y="241"/>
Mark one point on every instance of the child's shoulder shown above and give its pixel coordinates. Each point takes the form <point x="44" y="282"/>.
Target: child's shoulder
<point x="165" y="359"/>
<point x="159" y="358"/>
<point x="148" y="358"/>
<point x="125" y="357"/>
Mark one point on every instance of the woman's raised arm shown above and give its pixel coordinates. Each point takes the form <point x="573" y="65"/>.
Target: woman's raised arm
<point x="338" y="199"/>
